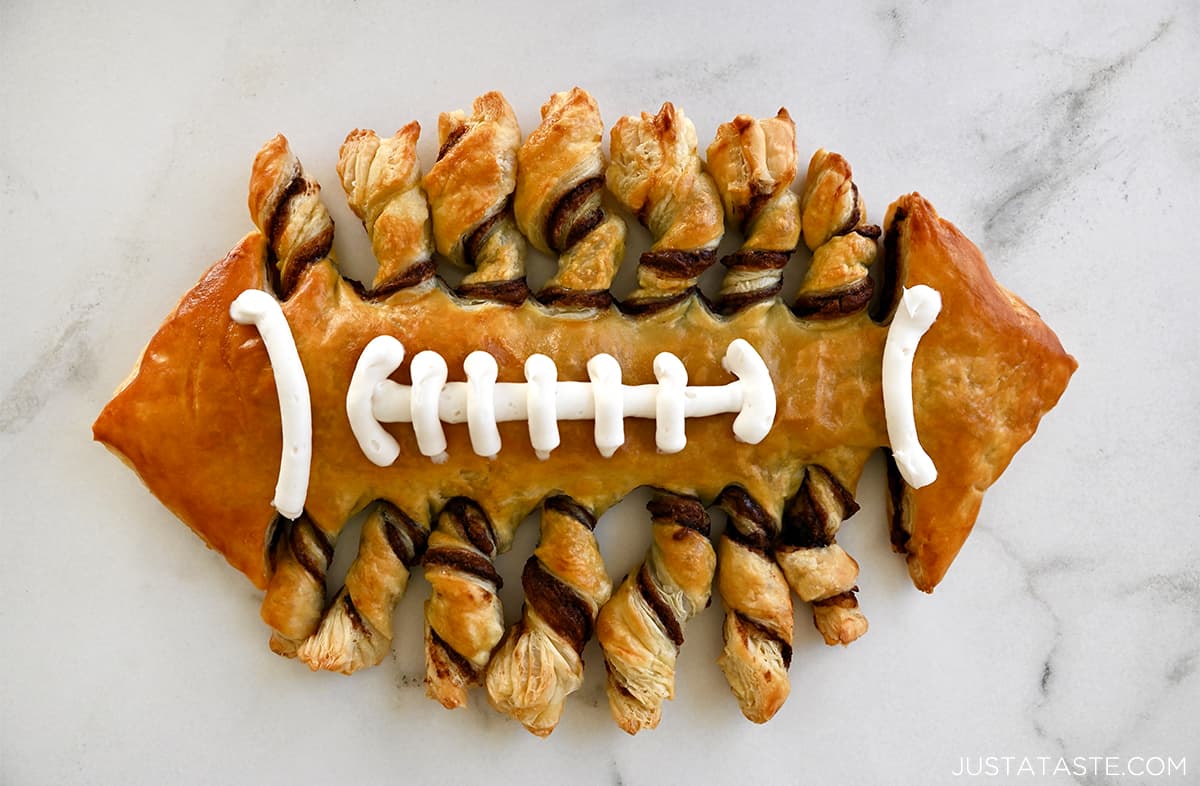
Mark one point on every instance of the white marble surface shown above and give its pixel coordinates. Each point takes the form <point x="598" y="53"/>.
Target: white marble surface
<point x="1063" y="140"/>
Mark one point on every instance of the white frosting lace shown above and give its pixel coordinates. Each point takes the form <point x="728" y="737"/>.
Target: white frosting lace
<point x="542" y="400"/>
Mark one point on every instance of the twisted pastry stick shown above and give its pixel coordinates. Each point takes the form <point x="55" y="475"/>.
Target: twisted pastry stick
<point x="843" y="244"/>
<point x="463" y="616"/>
<point x="285" y="205"/>
<point x="641" y="628"/>
<point x="656" y="173"/>
<point x="758" y="616"/>
<point x="540" y="662"/>
<point x="557" y="204"/>
<point x="295" y="595"/>
<point x="470" y="193"/>
<point x="382" y="181"/>
<point x="818" y="570"/>
<point x="357" y="629"/>
<point x="754" y="163"/>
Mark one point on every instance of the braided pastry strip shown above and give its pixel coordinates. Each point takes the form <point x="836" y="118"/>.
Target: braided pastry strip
<point x="356" y="631"/>
<point x="560" y="179"/>
<point x="641" y="627"/>
<point x="754" y="163"/>
<point x="758" y="608"/>
<point x="656" y="173"/>
<point x="470" y="194"/>
<point x="295" y="595"/>
<point x="843" y="244"/>
<point x="285" y="205"/>
<point x="540" y="662"/>
<point x="818" y="570"/>
<point x="463" y="616"/>
<point x="382" y="181"/>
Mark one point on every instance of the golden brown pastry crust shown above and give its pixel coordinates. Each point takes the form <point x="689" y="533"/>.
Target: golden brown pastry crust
<point x="971" y="424"/>
<point x="382" y="181"/>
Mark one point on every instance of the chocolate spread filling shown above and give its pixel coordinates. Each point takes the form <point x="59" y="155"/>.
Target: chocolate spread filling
<point x="756" y="260"/>
<point x="655" y="601"/>
<point x="855" y="214"/>
<point x="562" y="607"/>
<point x="479" y="235"/>
<point x="275" y="218"/>
<point x="452" y="140"/>
<point x="465" y="561"/>
<point x="678" y="509"/>
<point x="575" y="298"/>
<point x="895" y="481"/>
<point x="352" y="614"/>
<point x="405" y="536"/>
<point x="806" y="524"/>
<point x="416" y="273"/>
<point x="473" y="523"/>
<point x="457" y="661"/>
<point x="752" y="525"/>
<point x="565" y="226"/>
<point x="302" y="540"/>
<point x="891" y="287"/>
<point x="512" y="293"/>
<point x="314" y="250"/>
<point x="566" y="506"/>
<point x="843" y="600"/>
<point x="679" y="264"/>
<point x="837" y="302"/>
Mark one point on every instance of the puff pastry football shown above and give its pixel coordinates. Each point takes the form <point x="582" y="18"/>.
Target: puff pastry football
<point x="279" y="399"/>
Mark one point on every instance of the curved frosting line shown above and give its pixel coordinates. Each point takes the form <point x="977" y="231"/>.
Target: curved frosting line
<point x="378" y="360"/>
<point x="255" y="307"/>
<point x="919" y="307"/>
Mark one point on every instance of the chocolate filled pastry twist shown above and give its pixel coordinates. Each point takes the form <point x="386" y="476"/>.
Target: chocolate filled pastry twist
<point x="754" y="163"/>
<point x="843" y="244"/>
<point x="558" y="202"/>
<point x="295" y="596"/>
<point x="285" y="204"/>
<point x="356" y="631"/>
<point x="463" y="616"/>
<point x="470" y="195"/>
<point x="382" y="181"/>
<point x="540" y="661"/>
<point x="758" y="607"/>
<point x="656" y="173"/>
<point x="818" y="570"/>
<point x="641" y="628"/>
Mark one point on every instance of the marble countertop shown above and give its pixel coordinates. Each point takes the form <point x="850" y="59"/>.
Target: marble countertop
<point x="1063" y="141"/>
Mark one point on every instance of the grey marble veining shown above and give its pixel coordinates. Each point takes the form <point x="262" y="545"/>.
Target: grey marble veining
<point x="1062" y="140"/>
